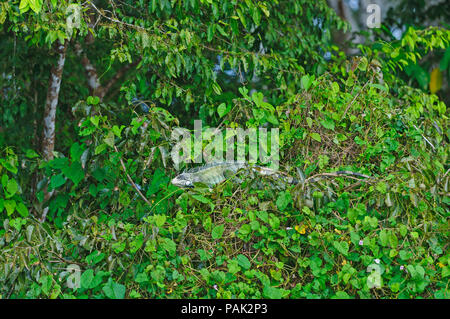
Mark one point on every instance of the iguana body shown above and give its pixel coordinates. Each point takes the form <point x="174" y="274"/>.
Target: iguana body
<point x="216" y="173"/>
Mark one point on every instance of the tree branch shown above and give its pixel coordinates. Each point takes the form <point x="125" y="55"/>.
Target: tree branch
<point x="131" y="180"/>
<point x="119" y="74"/>
<point x="91" y="71"/>
<point x="95" y="86"/>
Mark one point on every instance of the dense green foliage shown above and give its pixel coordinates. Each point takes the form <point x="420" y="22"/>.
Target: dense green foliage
<point x="327" y="237"/>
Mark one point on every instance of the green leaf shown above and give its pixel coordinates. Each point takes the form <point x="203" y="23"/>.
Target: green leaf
<point x="258" y="98"/>
<point x="169" y="245"/>
<point x="24" y="6"/>
<point x="283" y="200"/>
<point x="242" y="18"/>
<point x="57" y="181"/>
<point x="370" y="222"/>
<point x="445" y="272"/>
<point x="393" y="253"/>
<point x="403" y="230"/>
<point x="271" y="118"/>
<point x="95" y="257"/>
<point x="5" y="180"/>
<point x="222" y="110"/>
<point x="405" y="255"/>
<point x="202" y="199"/>
<point x="316" y="136"/>
<point x="31" y="153"/>
<point x="221" y="30"/>
<point x="245" y="229"/>
<point x="119" y="246"/>
<point x="217" y="231"/>
<point x="100" y="148"/>
<point x="233" y="266"/>
<point x="417" y="272"/>
<point x="243" y="262"/>
<point x="22" y="209"/>
<point x="10" y="164"/>
<point x="306" y="82"/>
<point x="328" y="124"/>
<point x="272" y="292"/>
<point x="384" y="238"/>
<point x="335" y="87"/>
<point x="341" y="247"/>
<point x="160" y="220"/>
<point x="109" y="139"/>
<point x="118" y="130"/>
<point x="94" y="100"/>
<point x="10" y="205"/>
<point x="46" y="282"/>
<point x="136" y="243"/>
<point x="87" y="278"/>
<point x="94" y="119"/>
<point x="210" y="32"/>
<point x="74" y="172"/>
<point x="393" y="240"/>
<point x="141" y="277"/>
<point x="217" y="89"/>
<point x="114" y="290"/>
<point x="35" y="5"/>
<point x="445" y="61"/>
<point x="341" y="295"/>
<point x="11" y="188"/>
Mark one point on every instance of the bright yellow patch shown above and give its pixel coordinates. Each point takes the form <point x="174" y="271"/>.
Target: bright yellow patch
<point x="300" y="229"/>
<point x="435" y="80"/>
<point x="441" y="265"/>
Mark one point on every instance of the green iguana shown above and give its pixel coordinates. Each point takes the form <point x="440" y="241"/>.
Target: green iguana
<point x="215" y="173"/>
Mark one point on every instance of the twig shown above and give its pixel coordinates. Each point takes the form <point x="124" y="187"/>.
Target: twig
<point x="351" y="103"/>
<point x="115" y="20"/>
<point x="61" y="259"/>
<point x="120" y="73"/>
<point x="446" y="173"/>
<point x="337" y="174"/>
<point x="131" y="180"/>
<point x="434" y="149"/>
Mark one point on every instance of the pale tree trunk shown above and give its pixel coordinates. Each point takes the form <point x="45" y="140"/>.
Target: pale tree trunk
<point x="48" y="137"/>
<point x="48" y="142"/>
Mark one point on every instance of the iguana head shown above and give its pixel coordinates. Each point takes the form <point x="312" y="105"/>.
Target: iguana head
<point x="182" y="180"/>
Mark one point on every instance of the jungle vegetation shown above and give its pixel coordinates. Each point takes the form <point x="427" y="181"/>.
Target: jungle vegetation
<point x="90" y="92"/>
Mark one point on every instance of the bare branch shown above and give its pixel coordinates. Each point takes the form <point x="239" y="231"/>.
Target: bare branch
<point x="119" y="74"/>
<point x="131" y="180"/>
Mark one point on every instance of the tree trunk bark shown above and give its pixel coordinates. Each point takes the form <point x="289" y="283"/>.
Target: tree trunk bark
<point x="48" y="142"/>
<point x="48" y="137"/>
